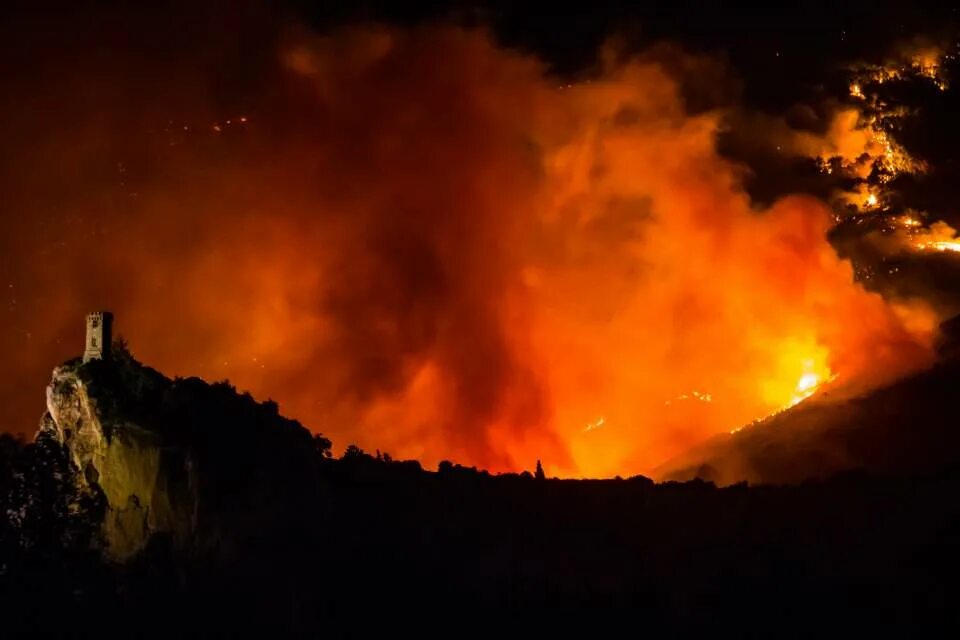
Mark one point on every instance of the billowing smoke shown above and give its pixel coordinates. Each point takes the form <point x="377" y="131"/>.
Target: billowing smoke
<point x="419" y="241"/>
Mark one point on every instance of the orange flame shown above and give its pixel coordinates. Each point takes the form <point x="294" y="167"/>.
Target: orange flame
<point x="940" y="236"/>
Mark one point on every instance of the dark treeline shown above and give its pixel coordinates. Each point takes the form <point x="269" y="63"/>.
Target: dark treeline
<point x="387" y="544"/>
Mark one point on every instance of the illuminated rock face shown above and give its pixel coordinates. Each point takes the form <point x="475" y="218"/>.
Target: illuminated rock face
<point x="201" y="465"/>
<point x="148" y="487"/>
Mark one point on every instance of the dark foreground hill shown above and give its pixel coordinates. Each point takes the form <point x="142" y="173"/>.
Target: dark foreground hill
<point x="249" y="523"/>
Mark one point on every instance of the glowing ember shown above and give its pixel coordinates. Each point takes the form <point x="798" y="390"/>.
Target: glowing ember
<point x="910" y="222"/>
<point x="595" y="425"/>
<point x="695" y="395"/>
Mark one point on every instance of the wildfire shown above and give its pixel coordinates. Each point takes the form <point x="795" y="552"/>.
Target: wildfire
<point x="940" y="245"/>
<point x="815" y="374"/>
<point x="927" y="63"/>
<point x="909" y="222"/>
<point x="923" y="61"/>
<point x="939" y="236"/>
<point x="860" y="147"/>
<point x="864" y="198"/>
<point x="807" y="385"/>
<point x="893" y="159"/>
<point x="860" y="142"/>
<point x="530" y="276"/>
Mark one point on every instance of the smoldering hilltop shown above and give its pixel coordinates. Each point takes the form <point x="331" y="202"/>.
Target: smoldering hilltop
<point x="420" y="240"/>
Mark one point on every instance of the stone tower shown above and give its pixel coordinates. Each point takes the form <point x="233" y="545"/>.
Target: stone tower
<point x="99" y="335"/>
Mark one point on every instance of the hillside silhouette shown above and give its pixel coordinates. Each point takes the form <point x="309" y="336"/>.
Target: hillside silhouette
<point x="267" y="531"/>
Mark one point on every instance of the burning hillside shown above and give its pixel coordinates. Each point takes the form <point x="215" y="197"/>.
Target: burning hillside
<point x="904" y="429"/>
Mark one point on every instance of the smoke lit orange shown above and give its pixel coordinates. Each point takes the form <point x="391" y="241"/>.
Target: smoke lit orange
<point x="426" y="244"/>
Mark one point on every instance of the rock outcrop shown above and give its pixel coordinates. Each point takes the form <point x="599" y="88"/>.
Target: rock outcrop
<point x="182" y="460"/>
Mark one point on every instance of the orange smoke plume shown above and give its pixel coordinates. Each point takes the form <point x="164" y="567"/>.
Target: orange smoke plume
<point x="421" y="242"/>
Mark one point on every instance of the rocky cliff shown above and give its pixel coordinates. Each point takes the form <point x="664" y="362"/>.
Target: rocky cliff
<point x="181" y="460"/>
